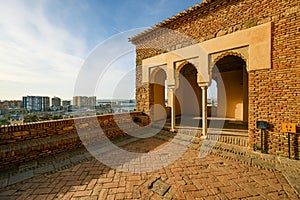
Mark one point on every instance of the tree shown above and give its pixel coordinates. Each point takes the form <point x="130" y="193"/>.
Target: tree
<point x="57" y="117"/>
<point x="31" y="118"/>
<point x="4" y="121"/>
<point x="45" y="117"/>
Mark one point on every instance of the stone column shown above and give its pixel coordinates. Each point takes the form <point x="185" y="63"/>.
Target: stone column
<point x="204" y="108"/>
<point x="172" y="89"/>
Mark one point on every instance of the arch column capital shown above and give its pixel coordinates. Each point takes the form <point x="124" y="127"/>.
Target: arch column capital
<point x="203" y="85"/>
<point x="171" y="87"/>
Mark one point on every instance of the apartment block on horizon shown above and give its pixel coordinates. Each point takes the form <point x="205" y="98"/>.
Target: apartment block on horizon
<point x="56" y="102"/>
<point x="84" y="101"/>
<point x="10" y="104"/>
<point x="36" y="103"/>
<point x="66" y="103"/>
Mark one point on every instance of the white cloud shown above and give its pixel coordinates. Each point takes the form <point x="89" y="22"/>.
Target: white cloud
<point x="107" y="65"/>
<point x="36" y="54"/>
<point x="120" y="78"/>
<point x="40" y="54"/>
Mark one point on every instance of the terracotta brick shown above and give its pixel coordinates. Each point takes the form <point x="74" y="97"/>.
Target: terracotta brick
<point x="273" y="93"/>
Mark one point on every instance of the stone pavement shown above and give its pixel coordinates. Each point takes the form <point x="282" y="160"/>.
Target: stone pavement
<point x="190" y="177"/>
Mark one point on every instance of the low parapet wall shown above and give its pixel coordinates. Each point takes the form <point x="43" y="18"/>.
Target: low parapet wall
<point x="26" y="142"/>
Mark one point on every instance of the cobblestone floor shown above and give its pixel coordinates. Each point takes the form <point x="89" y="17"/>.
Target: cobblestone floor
<point x="190" y="177"/>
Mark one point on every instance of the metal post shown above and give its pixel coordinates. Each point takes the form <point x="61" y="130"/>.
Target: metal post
<point x="262" y="140"/>
<point x="289" y="144"/>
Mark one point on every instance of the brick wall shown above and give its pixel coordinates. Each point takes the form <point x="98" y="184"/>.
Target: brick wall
<point x="20" y="143"/>
<point x="274" y="95"/>
<point x="275" y="98"/>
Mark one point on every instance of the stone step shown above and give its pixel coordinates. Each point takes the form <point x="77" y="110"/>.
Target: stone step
<point x="229" y="139"/>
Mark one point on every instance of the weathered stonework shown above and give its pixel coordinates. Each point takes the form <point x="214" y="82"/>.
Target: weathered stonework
<point x="274" y="94"/>
<point x="22" y="143"/>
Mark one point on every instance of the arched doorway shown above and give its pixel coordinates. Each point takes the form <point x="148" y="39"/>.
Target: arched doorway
<point x="188" y="93"/>
<point x="212" y="99"/>
<point x="158" y="83"/>
<point x="230" y="73"/>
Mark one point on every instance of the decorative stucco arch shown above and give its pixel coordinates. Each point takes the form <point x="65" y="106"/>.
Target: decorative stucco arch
<point x="158" y="78"/>
<point x="230" y="53"/>
<point x="179" y="68"/>
<point x="231" y="75"/>
<point x="217" y="57"/>
<point x="153" y="73"/>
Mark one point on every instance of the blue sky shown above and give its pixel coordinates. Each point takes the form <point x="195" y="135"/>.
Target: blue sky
<point x="43" y="44"/>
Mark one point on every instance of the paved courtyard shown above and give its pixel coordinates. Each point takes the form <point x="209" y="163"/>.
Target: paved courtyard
<point x="190" y="177"/>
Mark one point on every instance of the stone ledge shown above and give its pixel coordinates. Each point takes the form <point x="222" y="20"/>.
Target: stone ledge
<point x="239" y="140"/>
<point x="54" y="163"/>
<point x="50" y="140"/>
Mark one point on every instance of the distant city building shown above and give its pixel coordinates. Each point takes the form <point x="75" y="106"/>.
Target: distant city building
<point x="36" y="103"/>
<point x="10" y="104"/>
<point x="84" y="101"/>
<point x="79" y="101"/>
<point x="66" y="103"/>
<point x="91" y="102"/>
<point x="56" y="102"/>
